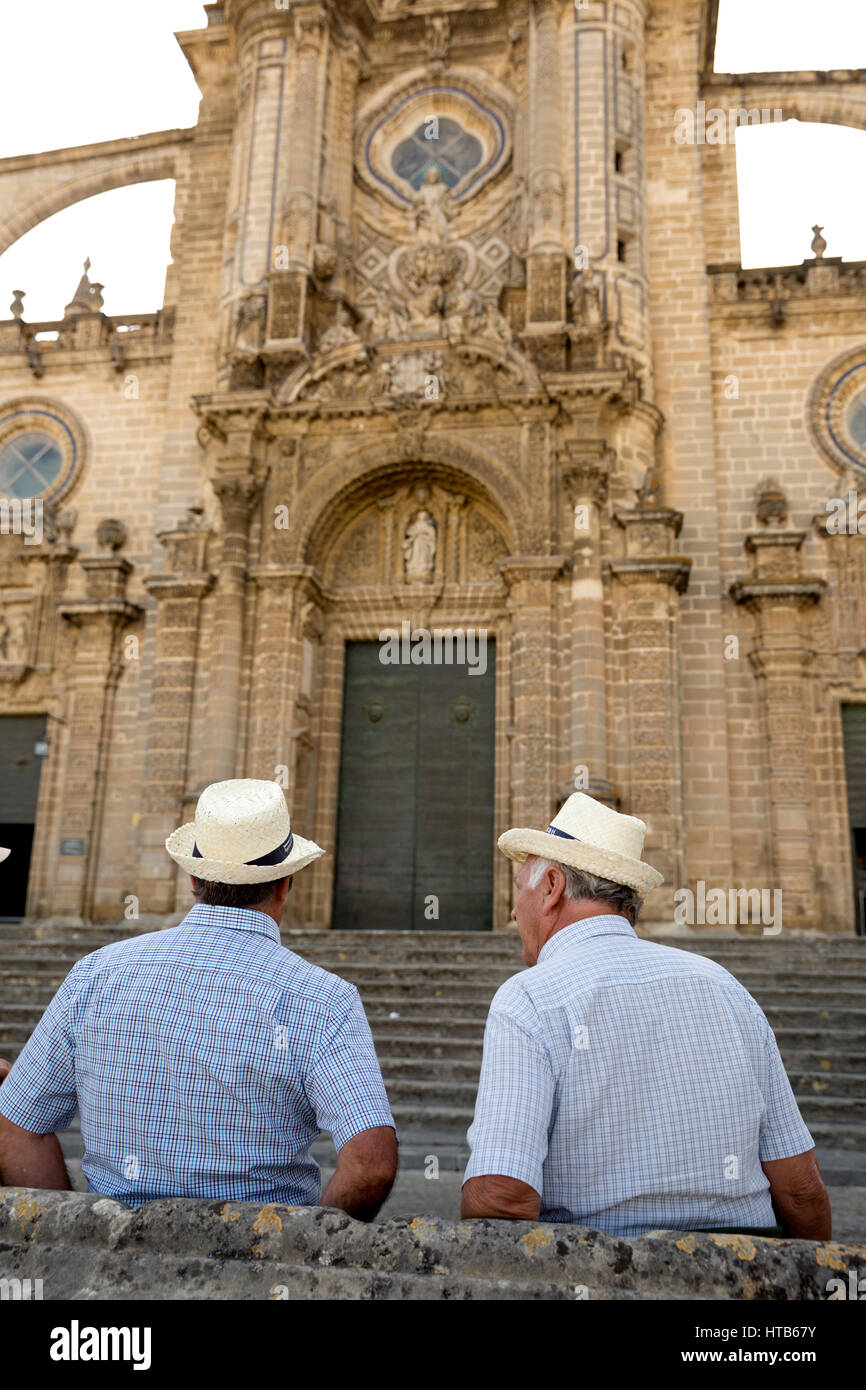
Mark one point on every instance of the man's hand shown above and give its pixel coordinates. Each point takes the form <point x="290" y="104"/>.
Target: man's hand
<point x="366" y="1169"/>
<point x="31" y="1160"/>
<point x="5" y="1068"/>
<point x="500" y="1197"/>
<point x="799" y="1197"/>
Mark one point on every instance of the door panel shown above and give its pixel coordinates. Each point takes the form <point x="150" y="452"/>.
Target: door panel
<point x="415" y="817"/>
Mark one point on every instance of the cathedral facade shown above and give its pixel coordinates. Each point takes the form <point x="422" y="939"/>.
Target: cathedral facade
<point x="464" y="467"/>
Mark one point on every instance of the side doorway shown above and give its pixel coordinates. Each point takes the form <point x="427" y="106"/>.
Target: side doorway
<point x="22" y="743"/>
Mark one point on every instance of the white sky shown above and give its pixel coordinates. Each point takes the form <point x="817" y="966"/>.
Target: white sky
<point x="101" y="69"/>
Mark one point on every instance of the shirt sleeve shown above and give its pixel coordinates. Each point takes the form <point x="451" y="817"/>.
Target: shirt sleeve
<point x="783" y="1132"/>
<point x="514" y="1106"/>
<point x="39" y="1093"/>
<point x="345" y="1085"/>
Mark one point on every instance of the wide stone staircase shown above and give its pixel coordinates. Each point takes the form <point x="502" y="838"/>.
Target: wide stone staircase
<point x="427" y="995"/>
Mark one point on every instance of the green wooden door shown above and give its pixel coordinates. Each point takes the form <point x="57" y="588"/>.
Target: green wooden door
<point x="415" y="816"/>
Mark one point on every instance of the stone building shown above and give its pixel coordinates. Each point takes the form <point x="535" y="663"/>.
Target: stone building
<point x="456" y="340"/>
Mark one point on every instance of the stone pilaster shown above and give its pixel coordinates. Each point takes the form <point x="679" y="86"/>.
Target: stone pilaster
<point x="546" y="261"/>
<point x="531" y="603"/>
<point x="587" y="464"/>
<point x="99" y="620"/>
<point x="288" y="602"/>
<point x="653" y="577"/>
<point x="777" y="594"/>
<point x="178" y="591"/>
<point x="237" y="494"/>
<point x="289" y="287"/>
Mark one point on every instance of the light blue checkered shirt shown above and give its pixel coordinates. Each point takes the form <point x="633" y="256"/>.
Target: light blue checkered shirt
<point x="634" y="1086"/>
<point x="205" y="1060"/>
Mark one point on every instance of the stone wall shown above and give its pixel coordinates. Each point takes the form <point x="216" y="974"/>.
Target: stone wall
<point x="90" y="1247"/>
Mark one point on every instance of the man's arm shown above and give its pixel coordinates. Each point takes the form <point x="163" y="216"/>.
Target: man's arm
<point x="346" y="1090"/>
<point x="800" y="1199"/>
<point x="38" y="1097"/>
<point x="498" y="1196"/>
<point x="366" y="1169"/>
<point x="508" y="1137"/>
<point x="31" y="1160"/>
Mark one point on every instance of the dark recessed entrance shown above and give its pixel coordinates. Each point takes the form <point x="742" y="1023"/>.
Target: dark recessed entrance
<point x="854" y="734"/>
<point x="415" y="817"/>
<point x="20" y="766"/>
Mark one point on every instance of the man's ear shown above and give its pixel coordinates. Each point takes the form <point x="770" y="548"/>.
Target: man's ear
<point x="553" y="897"/>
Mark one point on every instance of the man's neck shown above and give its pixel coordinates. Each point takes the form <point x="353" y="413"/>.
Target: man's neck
<point x="580" y="911"/>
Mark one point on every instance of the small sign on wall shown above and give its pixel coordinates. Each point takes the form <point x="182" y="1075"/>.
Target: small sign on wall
<point x="71" y="846"/>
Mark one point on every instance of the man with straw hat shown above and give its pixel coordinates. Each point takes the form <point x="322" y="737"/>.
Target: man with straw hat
<point x="206" y="1059"/>
<point x="626" y="1085"/>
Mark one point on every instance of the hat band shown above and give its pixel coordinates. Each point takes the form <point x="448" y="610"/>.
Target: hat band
<point x="563" y="834"/>
<point x="274" y="856"/>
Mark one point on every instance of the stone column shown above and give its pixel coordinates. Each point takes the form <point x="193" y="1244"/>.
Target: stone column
<point x="546" y="263"/>
<point x="99" y="620"/>
<point x="289" y="287"/>
<point x="653" y="577"/>
<point x="178" y="593"/>
<point x="237" y="494"/>
<point x="531" y="603"/>
<point x="781" y="658"/>
<point x="287" y="596"/>
<point x="586" y="476"/>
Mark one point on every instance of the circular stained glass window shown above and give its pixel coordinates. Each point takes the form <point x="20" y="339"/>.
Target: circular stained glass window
<point x="30" y="463"/>
<point x="440" y="144"/>
<point x="855" y="419"/>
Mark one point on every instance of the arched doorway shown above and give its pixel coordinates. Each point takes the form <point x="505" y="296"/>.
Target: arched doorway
<point x="406" y="765"/>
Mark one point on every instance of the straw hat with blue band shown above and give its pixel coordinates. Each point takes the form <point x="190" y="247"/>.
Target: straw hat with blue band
<point x="585" y="834"/>
<point x="241" y="834"/>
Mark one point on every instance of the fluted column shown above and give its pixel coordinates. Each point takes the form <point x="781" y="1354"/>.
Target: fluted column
<point x="781" y="658"/>
<point x="289" y="288"/>
<point x="237" y="494"/>
<point x="652" y="577"/>
<point x="546" y="262"/>
<point x="178" y="592"/>
<point x="586" y="476"/>
<point x="530" y="582"/>
<point x="99" y="620"/>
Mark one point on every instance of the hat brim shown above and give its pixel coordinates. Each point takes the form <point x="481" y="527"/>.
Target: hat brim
<point x="4" y="854"/>
<point x="619" y="868"/>
<point x="180" y="844"/>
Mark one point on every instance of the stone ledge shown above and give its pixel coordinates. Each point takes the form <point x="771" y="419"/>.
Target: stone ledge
<point x="83" y="1246"/>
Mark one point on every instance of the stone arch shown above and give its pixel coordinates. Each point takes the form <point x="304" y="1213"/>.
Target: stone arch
<point x="100" y="175"/>
<point x="335" y="491"/>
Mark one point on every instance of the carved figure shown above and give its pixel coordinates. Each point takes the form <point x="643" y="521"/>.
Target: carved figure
<point x="419" y="547"/>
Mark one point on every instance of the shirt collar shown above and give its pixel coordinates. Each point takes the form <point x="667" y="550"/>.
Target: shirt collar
<point x="609" y="924"/>
<point x="235" y="918"/>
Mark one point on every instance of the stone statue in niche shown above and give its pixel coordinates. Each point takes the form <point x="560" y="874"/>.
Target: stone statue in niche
<point x="432" y="211"/>
<point x="419" y="548"/>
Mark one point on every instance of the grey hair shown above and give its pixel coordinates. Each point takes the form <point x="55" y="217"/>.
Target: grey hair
<point x="579" y="885"/>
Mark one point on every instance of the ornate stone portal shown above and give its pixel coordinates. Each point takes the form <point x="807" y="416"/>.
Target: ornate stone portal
<point x="433" y="346"/>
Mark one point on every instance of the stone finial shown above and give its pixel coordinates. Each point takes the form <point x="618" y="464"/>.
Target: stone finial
<point x="819" y="245"/>
<point x="771" y="504"/>
<point x="648" y="491"/>
<point x="110" y="534"/>
<point x="87" y="298"/>
<point x="16" y="308"/>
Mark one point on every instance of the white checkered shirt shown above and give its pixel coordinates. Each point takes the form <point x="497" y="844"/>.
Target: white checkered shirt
<point x="205" y="1060"/>
<point x="634" y="1086"/>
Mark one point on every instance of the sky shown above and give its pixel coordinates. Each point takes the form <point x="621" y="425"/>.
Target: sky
<point x="93" y="64"/>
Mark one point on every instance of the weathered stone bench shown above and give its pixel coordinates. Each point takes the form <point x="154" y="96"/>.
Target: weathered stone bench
<point x="82" y="1246"/>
